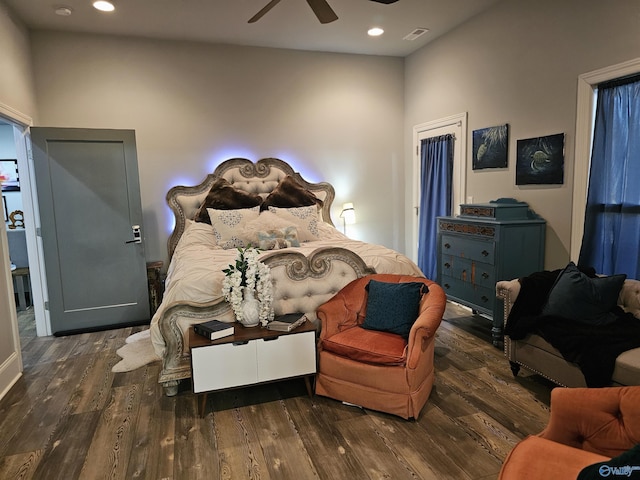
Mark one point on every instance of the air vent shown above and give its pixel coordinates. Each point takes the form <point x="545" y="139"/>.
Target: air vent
<point x="418" y="32"/>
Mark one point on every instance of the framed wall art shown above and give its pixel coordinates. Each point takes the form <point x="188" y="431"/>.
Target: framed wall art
<point x="9" y="173"/>
<point x="490" y="147"/>
<point x="540" y="160"/>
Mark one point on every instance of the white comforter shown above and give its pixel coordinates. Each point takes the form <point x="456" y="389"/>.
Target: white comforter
<point x="195" y="273"/>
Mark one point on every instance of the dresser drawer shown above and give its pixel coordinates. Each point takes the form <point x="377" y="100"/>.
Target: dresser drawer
<point x="468" y="294"/>
<point x="471" y="248"/>
<point x="469" y="271"/>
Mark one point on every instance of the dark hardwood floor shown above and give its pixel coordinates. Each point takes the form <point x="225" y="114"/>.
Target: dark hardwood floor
<point x="69" y="417"/>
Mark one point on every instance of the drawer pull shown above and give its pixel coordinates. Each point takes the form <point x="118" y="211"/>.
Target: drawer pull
<point x="485" y="253"/>
<point x="270" y="339"/>
<point x="447" y="245"/>
<point x="446" y="285"/>
<point x="447" y="265"/>
<point x="237" y="344"/>
<point x="485" y="275"/>
<point x="484" y="298"/>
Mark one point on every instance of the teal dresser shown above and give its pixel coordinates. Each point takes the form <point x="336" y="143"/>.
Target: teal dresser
<point x="488" y="242"/>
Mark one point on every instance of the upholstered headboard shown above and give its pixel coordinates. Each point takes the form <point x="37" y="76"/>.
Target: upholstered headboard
<point x="260" y="177"/>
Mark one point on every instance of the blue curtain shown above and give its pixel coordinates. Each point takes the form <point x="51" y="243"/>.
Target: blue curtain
<point x="436" y="166"/>
<point x="611" y="240"/>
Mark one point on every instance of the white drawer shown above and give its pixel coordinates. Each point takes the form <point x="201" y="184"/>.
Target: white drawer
<point x="286" y="356"/>
<point x="227" y="365"/>
<point x="224" y="366"/>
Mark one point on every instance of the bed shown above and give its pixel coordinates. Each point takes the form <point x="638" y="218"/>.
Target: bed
<point x="304" y="276"/>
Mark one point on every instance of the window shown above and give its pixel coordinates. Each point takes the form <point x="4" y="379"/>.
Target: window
<point x="611" y="239"/>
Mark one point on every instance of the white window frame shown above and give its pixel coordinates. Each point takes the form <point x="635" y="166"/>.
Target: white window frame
<point x="585" y="117"/>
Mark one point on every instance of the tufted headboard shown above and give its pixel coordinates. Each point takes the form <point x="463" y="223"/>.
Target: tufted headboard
<point x="260" y="177"/>
<point x="302" y="284"/>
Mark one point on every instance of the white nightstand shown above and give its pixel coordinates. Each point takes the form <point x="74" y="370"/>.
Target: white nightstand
<point x="251" y="356"/>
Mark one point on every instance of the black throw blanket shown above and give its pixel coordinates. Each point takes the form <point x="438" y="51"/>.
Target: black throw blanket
<point x="594" y="348"/>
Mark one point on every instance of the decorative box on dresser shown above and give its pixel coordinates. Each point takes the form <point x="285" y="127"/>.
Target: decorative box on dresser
<point x="486" y="243"/>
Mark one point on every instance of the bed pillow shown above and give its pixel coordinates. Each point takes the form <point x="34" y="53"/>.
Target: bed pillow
<point x="289" y="193"/>
<point x="224" y="196"/>
<point x="305" y="219"/>
<point x="587" y="300"/>
<point x="278" y="238"/>
<point x="228" y="225"/>
<point x="196" y="234"/>
<point x="265" y="221"/>
<point x="393" y="307"/>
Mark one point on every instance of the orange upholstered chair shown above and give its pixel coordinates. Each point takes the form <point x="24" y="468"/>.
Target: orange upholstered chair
<point x="377" y="369"/>
<point x="586" y="426"/>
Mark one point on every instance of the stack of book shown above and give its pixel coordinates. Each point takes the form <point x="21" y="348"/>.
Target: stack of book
<point x="214" y="329"/>
<point x="287" y="322"/>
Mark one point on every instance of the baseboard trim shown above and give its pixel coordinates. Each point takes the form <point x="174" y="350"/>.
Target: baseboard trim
<point x="100" y="328"/>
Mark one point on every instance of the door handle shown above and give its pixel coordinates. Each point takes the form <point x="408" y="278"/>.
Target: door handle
<point x="137" y="234"/>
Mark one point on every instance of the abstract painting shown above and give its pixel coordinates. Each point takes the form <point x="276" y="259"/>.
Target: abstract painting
<point x="490" y="147"/>
<point x="9" y="173"/>
<point x="540" y="160"/>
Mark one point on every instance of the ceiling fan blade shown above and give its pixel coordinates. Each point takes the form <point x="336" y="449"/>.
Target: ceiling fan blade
<point x="264" y="10"/>
<point x="323" y="11"/>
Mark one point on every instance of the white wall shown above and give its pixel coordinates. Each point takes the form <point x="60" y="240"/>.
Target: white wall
<point x="7" y="144"/>
<point x="334" y="117"/>
<point x="16" y="95"/>
<point x="11" y="200"/>
<point x="16" y="80"/>
<point x="346" y="119"/>
<point x="518" y="63"/>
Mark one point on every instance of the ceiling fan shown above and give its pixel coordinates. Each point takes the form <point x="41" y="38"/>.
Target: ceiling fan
<point x="321" y="8"/>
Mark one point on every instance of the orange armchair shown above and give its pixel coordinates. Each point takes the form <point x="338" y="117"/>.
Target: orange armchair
<point x="378" y="370"/>
<point x="586" y="426"/>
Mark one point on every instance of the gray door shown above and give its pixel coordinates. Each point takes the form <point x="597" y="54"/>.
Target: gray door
<point x="89" y="202"/>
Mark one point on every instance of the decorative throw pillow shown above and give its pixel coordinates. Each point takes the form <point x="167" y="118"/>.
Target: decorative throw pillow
<point x="228" y="225"/>
<point x="289" y="193"/>
<point x="588" y="300"/>
<point x="265" y="221"/>
<point x="278" y="238"/>
<point x="224" y="196"/>
<point x="393" y="307"/>
<point x="305" y="219"/>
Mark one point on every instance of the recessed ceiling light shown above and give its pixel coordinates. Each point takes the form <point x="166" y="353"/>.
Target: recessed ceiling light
<point x="63" y="10"/>
<point x="375" y="32"/>
<point x="103" y="6"/>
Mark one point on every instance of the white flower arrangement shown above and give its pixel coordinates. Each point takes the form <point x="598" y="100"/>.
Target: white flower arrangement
<point x="251" y="274"/>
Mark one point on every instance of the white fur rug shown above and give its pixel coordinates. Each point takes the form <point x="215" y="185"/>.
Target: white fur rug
<point x="136" y="352"/>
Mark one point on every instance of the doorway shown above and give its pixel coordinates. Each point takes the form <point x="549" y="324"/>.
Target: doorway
<point x="90" y="228"/>
<point x="15" y="126"/>
<point x="455" y="125"/>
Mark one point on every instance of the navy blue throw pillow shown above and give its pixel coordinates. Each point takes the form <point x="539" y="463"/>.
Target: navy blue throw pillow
<point x="393" y="307"/>
<point x="588" y="300"/>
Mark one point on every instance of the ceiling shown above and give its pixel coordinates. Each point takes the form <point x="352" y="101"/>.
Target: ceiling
<point x="291" y="24"/>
